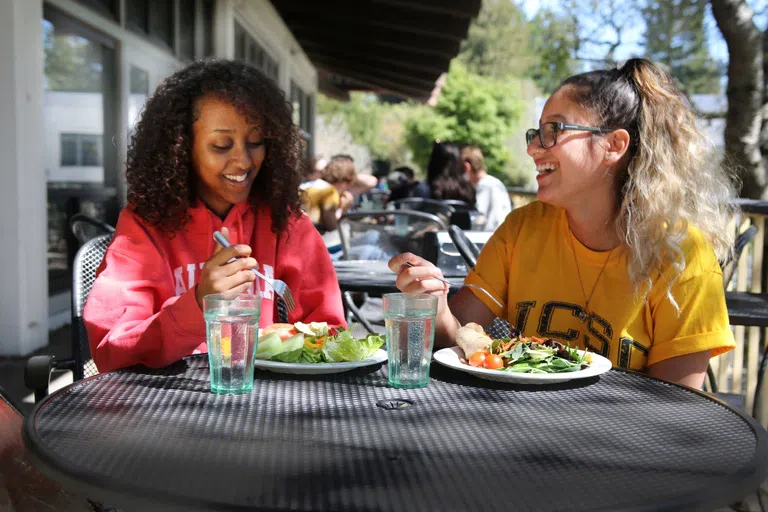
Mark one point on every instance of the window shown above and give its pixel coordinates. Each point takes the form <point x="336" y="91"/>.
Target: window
<point x="108" y="8"/>
<point x="187" y="30"/>
<point x="137" y="15"/>
<point x="249" y="50"/>
<point x="302" y="111"/>
<point x="81" y="150"/>
<point x="154" y="19"/>
<point x="208" y="11"/>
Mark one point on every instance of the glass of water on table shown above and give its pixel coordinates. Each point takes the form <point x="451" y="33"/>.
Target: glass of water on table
<point x="410" y="332"/>
<point x="232" y="333"/>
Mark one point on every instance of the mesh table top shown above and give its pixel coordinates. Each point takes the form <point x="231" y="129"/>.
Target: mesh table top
<point x="621" y="441"/>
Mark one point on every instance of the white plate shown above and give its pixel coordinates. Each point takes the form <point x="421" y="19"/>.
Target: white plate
<point x="318" y="368"/>
<point x="450" y="357"/>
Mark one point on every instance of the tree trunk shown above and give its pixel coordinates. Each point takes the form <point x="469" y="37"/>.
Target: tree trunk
<point x="745" y="93"/>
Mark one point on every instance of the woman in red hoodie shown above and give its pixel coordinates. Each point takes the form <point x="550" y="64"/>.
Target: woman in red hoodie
<point x="215" y="149"/>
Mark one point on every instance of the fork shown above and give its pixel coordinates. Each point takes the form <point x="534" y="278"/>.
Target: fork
<point x="476" y="287"/>
<point x="278" y="285"/>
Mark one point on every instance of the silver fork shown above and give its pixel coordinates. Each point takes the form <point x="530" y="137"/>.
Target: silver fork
<point x="476" y="287"/>
<point x="278" y="285"/>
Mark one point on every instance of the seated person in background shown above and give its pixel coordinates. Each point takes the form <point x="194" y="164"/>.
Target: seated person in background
<point x="327" y="199"/>
<point x="402" y="182"/>
<point x="445" y="176"/>
<point x="620" y="253"/>
<point x="313" y="172"/>
<point x="492" y="198"/>
<point x="215" y="149"/>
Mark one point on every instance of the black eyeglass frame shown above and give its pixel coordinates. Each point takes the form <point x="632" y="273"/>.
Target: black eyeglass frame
<point x="559" y="127"/>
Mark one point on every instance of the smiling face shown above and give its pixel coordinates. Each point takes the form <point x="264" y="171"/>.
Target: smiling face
<point x="227" y="153"/>
<point x="573" y="171"/>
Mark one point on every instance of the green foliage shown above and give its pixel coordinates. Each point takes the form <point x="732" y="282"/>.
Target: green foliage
<point x="363" y="117"/>
<point x="71" y="63"/>
<point x="498" y="42"/>
<point x="676" y="37"/>
<point x="471" y="109"/>
<point x="553" y="39"/>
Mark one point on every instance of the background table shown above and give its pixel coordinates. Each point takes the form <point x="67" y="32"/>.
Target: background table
<point x="349" y="441"/>
<point x="374" y="277"/>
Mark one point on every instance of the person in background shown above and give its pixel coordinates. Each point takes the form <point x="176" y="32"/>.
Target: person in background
<point x="215" y="149"/>
<point x="620" y="254"/>
<point x="313" y="172"/>
<point x="445" y="176"/>
<point x="492" y="199"/>
<point x="328" y="198"/>
<point x="402" y="182"/>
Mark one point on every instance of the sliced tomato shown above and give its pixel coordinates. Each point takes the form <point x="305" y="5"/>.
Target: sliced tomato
<point x="285" y="331"/>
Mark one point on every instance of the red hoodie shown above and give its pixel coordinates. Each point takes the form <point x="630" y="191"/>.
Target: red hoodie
<point x="142" y="308"/>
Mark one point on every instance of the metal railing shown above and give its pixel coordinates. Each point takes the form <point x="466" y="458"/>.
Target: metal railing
<point x="737" y="370"/>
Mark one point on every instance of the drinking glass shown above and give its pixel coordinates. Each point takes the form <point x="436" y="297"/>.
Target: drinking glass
<point x="410" y="331"/>
<point x="232" y="333"/>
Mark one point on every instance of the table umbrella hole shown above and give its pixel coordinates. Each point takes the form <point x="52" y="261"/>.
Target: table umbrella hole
<point x="394" y="404"/>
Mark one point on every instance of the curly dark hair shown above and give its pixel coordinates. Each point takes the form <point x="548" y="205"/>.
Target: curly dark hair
<point x="160" y="172"/>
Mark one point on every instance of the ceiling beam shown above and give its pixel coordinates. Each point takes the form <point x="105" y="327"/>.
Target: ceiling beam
<point x="458" y="8"/>
<point x="379" y="81"/>
<point x="354" y="15"/>
<point x="413" y="62"/>
<point x="401" y="48"/>
<point x="420" y="81"/>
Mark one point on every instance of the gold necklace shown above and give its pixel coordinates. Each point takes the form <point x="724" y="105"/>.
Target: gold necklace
<point x="584" y="314"/>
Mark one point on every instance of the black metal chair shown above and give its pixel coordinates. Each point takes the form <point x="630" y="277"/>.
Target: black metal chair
<point x="86" y="228"/>
<point x="729" y="268"/>
<point x="379" y="235"/>
<point x="452" y="211"/>
<point x="744" y="238"/>
<point x="38" y="369"/>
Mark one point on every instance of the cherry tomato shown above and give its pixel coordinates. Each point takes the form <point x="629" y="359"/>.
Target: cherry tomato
<point x="477" y="359"/>
<point x="493" y="362"/>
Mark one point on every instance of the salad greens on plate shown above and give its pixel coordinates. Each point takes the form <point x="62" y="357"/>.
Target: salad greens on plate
<point x="314" y="343"/>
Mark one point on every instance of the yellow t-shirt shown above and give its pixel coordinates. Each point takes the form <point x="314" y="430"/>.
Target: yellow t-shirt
<point x="317" y="200"/>
<point x="528" y="263"/>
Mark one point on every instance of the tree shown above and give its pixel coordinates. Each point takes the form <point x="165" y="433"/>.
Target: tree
<point x="676" y="37"/>
<point x="71" y="63"/>
<point x="497" y="43"/>
<point x="471" y="109"/>
<point x="553" y="39"/>
<point x="745" y="93"/>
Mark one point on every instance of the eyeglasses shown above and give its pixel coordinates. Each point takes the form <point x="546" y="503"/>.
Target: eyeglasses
<point x="547" y="132"/>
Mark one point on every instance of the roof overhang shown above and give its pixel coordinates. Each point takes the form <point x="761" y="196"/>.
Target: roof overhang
<point x="396" y="47"/>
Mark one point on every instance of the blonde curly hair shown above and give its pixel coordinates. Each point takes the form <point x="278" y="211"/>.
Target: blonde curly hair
<point x="670" y="180"/>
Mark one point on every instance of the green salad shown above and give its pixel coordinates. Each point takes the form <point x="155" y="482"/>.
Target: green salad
<point x="314" y="343"/>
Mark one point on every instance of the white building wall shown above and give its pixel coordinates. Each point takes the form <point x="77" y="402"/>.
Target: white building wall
<point x="23" y="262"/>
<point x="31" y="122"/>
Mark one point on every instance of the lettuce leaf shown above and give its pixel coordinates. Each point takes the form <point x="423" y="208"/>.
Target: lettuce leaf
<point x="300" y="355"/>
<point x="344" y="347"/>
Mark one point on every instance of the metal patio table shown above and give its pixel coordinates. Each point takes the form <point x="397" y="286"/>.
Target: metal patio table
<point x="374" y="277"/>
<point x="142" y="438"/>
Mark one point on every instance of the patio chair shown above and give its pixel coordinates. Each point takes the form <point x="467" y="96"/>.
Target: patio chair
<point x="22" y="487"/>
<point x="744" y="238"/>
<point x="379" y="235"/>
<point x="85" y="228"/>
<point x="38" y="369"/>
<point x="452" y="211"/>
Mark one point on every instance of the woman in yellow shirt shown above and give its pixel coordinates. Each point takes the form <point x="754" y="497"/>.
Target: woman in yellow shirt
<point x="620" y="252"/>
